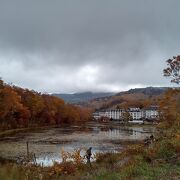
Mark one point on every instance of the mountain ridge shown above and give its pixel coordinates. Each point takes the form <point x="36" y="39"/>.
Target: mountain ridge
<point x="132" y="97"/>
<point x="85" y="97"/>
<point x="77" y="98"/>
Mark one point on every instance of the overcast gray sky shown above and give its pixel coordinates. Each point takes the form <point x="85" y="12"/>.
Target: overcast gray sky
<point x="87" y="45"/>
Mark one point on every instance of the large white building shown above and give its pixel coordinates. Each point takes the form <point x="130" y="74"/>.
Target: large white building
<point x="135" y="113"/>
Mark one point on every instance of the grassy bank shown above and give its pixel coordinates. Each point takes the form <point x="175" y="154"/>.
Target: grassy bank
<point x="160" y="160"/>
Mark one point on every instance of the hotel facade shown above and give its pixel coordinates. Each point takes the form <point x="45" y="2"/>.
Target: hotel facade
<point x="150" y="113"/>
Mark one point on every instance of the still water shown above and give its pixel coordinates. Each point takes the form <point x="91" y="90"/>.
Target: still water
<point x="46" y="144"/>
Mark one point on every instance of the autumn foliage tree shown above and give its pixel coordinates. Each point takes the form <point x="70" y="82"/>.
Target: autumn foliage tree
<point x="126" y="117"/>
<point x="22" y="108"/>
<point x="173" y="69"/>
<point x="170" y="103"/>
<point x="12" y="111"/>
<point x="170" y="108"/>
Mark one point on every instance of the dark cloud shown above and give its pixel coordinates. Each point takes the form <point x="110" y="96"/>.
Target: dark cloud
<point x="82" y="45"/>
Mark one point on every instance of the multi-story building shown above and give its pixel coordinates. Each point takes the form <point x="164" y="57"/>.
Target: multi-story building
<point x="135" y="113"/>
<point x="151" y="113"/>
<point x="115" y="114"/>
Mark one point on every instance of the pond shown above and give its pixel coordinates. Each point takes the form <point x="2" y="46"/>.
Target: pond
<point x="46" y="144"/>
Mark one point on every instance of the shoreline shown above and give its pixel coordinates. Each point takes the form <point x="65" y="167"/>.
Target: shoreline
<point x="9" y="132"/>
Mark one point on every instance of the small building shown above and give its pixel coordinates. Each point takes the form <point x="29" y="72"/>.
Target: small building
<point x="96" y="115"/>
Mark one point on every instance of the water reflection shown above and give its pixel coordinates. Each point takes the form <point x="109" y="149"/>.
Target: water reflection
<point x="122" y="132"/>
<point x="48" y="143"/>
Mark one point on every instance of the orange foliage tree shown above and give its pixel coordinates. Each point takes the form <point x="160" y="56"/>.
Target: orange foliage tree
<point x="170" y="103"/>
<point x="22" y="107"/>
<point x="170" y="108"/>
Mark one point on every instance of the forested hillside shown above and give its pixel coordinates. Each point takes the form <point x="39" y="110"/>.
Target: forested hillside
<point x="23" y="108"/>
<point x="82" y="97"/>
<point x="140" y="97"/>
